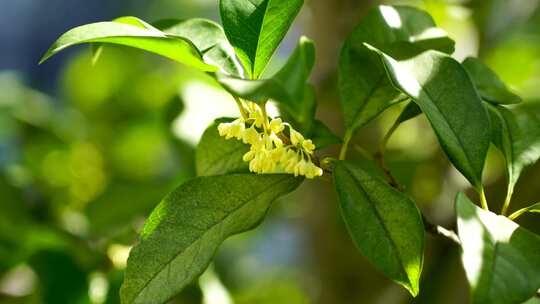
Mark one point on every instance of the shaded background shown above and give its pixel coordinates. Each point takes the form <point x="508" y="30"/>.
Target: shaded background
<point x="87" y="151"/>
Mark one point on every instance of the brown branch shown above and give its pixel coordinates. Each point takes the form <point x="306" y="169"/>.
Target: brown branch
<point x="392" y="181"/>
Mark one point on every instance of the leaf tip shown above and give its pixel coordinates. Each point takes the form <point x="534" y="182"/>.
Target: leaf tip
<point x="44" y="58"/>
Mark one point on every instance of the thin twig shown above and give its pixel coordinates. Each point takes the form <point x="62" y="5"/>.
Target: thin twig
<point x="392" y="181"/>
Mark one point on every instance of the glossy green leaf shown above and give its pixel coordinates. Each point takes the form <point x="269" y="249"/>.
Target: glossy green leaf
<point x="216" y="155"/>
<point x="322" y="136"/>
<point x="148" y="39"/>
<point x="445" y="94"/>
<point x="209" y="39"/>
<point x="183" y="233"/>
<point x="401" y="32"/>
<point x="490" y="87"/>
<point x="383" y="222"/>
<point x="256" y="27"/>
<point x="97" y="48"/>
<point x="517" y="135"/>
<point x="501" y="259"/>
<point x="288" y="86"/>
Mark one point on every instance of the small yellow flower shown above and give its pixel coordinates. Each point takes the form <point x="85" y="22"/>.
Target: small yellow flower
<point x="256" y="114"/>
<point x="232" y="129"/>
<point x="308" y="146"/>
<point x="248" y="156"/>
<point x="251" y="136"/>
<point x="268" y="153"/>
<point x="312" y="171"/>
<point x="276" y="140"/>
<point x="276" y="125"/>
<point x="296" y="137"/>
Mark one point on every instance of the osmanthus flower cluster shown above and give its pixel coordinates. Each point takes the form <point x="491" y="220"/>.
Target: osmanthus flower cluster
<point x="271" y="151"/>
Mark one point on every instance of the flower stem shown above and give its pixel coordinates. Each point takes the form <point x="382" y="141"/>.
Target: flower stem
<point x="507" y="200"/>
<point x="241" y="107"/>
<point x="266" y="124"/>
<point x="514" y="215"/>
<point x="345" y="146"/>
<point x="483" y="199"/>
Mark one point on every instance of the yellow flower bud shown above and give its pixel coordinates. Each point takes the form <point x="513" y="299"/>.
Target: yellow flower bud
<point x="312" y="170"/>
<point x="251" y="136"/>
<point x="308" y="146"/>
<point x="276" y="125"/>
<point x="296" y="137"/>
<point x="248" y="156"/>
<point x="276" y="140"/>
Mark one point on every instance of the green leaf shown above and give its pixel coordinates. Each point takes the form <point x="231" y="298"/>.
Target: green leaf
<point x="490" y="87"/>
<point x="445" y="94"/>
<point x="288" y="86"/>
<point x="401" y="32"/>
<point x="410" y="111"/>
<point x="322" y="136"/>
<point x="216" y="155"/>
<point x="501" y="259"/>
<point x="517" y="135"/>
<point x="384" y="223"/>
<point x="209" y="39"/>
<point x="148" y="39"/>
<point x="185" y="230"/>
<point x="256" y="27"/>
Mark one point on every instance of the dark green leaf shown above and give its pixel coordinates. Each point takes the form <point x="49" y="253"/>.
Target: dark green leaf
<point x="256" y="27"/>
<point x="399" y="31"/>
<point x="490" y="87"/>
<point x="183" y="233"/>
<point x="322" y="136"/>
<point x="517" y="135"/>
<point x="443" y="90"/>
<point x="501" y="259"/>
<point x="411" y="111"/>
<point x="216" y="155"/>
<point x="384" y="223"/>
<point x="121" y="33"/>
<point x="288" y="86"/>
<point x="209" y="39"/>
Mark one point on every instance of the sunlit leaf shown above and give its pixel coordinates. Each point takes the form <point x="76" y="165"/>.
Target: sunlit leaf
<point x="490" y="87"/>
<point x="501" y="259"/>
<point x="216" y="155"/>
<point x="445" y="94"/>
<point x="209" y="39"/>
<point x="383" y="222"/>
<point x="256" y="27"/>
<point x="148" y="39"/>
<point x="401" y="32"/>
<point x="183" y="233"/>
